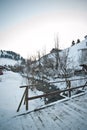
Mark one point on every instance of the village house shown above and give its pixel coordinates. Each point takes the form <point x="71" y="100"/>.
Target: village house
<point x="83" y="58"/>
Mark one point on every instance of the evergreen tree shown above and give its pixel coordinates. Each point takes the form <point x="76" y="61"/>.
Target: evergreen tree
<point x="73" y="43"/>
<point x="78" y="41"/>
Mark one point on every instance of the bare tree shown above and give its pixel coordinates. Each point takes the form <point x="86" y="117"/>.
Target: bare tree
<point x="39" y="63"/>
<point x="28" y="68"/>
<point x="64" y="62"/>
<point x="39" y="60"/>
<point x="57" y="53"/>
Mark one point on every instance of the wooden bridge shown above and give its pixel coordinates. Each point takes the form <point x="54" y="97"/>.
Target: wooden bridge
<point x="66" y="115"/>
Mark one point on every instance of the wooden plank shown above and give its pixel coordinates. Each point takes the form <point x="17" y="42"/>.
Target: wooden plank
<point x="69" y="80"/>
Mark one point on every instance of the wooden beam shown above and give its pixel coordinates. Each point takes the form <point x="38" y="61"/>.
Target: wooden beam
<point x="21" y="101"/>
<point x="26" y="98"/>
<point x="55" y="92"/>
<point x="52" y="82"/>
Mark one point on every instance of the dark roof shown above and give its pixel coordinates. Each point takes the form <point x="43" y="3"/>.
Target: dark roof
<point x="55" y="50"/>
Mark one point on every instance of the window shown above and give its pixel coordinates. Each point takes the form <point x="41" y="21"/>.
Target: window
<point x="86" y="43"/>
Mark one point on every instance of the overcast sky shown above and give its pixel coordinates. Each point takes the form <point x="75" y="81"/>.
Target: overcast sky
<point x="28" y="26"/>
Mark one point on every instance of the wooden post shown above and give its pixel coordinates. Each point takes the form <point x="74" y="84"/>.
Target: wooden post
<point x="21" y="101"/>
<point x="26" y="98"/>
<point x="24" y="101"/>
<point x="69" y="86"/>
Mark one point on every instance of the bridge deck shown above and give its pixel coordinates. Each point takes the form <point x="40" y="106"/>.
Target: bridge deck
<point x="67" y="115"/>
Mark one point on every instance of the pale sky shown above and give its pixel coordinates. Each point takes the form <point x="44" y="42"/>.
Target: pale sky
<point x="29" y="26"/>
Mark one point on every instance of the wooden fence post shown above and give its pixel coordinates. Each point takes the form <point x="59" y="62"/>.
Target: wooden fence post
<point x="69" y="86"/>
<point x="21" y="101"/>
<point x="26" y="98"/>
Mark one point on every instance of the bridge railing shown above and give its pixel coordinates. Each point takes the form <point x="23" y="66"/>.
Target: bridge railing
<point x="68" y="89"/>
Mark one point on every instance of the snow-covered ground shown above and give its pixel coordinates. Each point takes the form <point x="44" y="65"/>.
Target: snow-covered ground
<point x="10" y="95"/>
<point x="6" y="61"/>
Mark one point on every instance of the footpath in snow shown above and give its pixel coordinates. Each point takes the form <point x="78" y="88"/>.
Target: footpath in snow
<point x="10" y="95"/>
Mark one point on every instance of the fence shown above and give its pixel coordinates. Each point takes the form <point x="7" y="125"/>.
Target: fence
<point x="68" y="89"/>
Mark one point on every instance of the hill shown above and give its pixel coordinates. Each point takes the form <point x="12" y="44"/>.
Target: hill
<point x="10" y="58"/>
<point x="12" y="61"/>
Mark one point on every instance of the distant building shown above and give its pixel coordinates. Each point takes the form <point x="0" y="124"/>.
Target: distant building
<point x="55" y="50"/>
<point x="83" y="57"/>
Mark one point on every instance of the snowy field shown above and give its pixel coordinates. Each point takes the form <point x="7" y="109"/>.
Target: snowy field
<point x="6" y="61"/>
